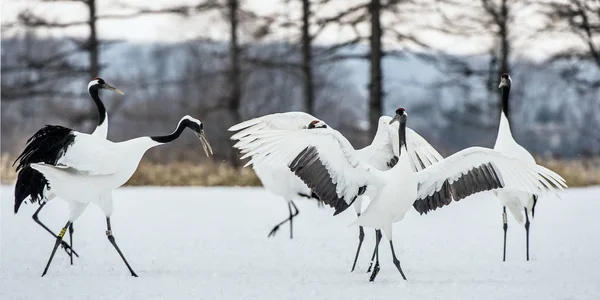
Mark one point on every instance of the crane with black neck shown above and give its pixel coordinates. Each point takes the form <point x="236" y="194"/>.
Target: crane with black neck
<point x="32" y="185"/>
<point x="325" y="162"/>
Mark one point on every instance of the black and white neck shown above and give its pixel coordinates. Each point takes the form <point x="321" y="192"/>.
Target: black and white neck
<point x="504" y="132"/>
<point x="94" y="88"/>
<point x="187" y="121"/>
<point x="505" y="83"/>
<point x="400" y="117"/>
<point x="402" y="134"/>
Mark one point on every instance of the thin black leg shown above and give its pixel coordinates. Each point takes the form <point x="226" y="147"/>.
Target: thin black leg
<point x="527" y="232"/>
<point x="374" y="253"/>
<point x="290" y="204"/>
<point x="535" y="199"/>
<point x="376" y="268"/>
<point x="505" y="226"/>
<point x="361" y="237"/>
<point x="64" y="244"/>
<point x="396" y="261"/>
<point x="71" y="240"/>
<point x="289" y="219"/>
<point x="111" y="238"/>
<point x="58" y="240"/>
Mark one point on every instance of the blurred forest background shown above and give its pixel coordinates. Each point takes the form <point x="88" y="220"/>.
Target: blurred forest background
<point x="344" y="61"/>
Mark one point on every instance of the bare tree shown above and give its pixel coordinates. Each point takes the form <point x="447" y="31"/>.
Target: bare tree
<point x="91" y="44"/>
<point x="493" y="19"/>
<point x="309" y="93"/>
<point x="375" y="57"/>
<point x="580" y="18"/>
<point x="384" y="18"/>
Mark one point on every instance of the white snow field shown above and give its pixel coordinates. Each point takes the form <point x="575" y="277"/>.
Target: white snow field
<point x="211" y="243"/>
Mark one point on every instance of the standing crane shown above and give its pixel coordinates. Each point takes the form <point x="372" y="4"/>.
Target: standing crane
<point x="277" y="178"/>
<point x="514" y="199"/>
<point x="87" y="168"/>
<point x="27" y="177"/>
<point x="327" y="164"/>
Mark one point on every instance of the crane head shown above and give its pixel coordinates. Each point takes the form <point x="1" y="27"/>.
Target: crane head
<point x="198" y="128"/>
<point x="505" y="80"/>
<point x="317" y="124"/>
<point x="99" y="83"/>
<point x="400" y="115"/>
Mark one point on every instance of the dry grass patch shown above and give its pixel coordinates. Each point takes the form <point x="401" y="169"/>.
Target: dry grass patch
<point x="578" y="172"/>
<point x="189" y="174"/>
<point x="7" y="171"/>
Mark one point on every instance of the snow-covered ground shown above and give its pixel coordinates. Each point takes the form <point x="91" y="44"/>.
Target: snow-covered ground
<point x="211" y="243"/>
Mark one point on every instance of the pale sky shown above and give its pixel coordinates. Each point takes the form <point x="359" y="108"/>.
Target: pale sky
<point x="173" y="28"/>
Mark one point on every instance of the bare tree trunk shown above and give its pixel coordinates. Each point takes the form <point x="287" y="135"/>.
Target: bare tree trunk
<point x="375" y="85"/>
<point x="309" y="96"/>
<point x="504" y="47"/>
<point x="92" y="44"/>
<point x="234" y="71"/>
<point x="586" y="27"/>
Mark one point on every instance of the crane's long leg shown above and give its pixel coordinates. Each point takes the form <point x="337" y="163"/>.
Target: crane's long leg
<point x="292" y="218"/>
<point x="535" y="199"/>
<point x="58" y="241"/>
<point x="71" y="240"/>
<point x="361" y="237"/>
<point x="111" y="238"/>
<point x="68" y="249"/>
<point x="396" y="261"/>
<point x="289" y="219"/>
<point x="374" y="253"/>
<point x="376" y="268"/>
<point x="505" y="226"/>
<point x="527" y="232"/>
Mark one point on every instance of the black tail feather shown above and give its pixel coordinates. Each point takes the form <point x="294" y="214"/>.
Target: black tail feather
<point x="47" y="145"/>
<point x="30" y="183"/>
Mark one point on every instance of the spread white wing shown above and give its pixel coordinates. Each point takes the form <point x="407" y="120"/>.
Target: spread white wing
<point x="477" y="169"/>
<point x="322" y="158"/>
<point x="288" y="120"/>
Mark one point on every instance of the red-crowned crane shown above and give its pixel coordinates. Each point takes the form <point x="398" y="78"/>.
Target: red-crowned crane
<point x="86" y="168"/>
<point x="328" y="165"/>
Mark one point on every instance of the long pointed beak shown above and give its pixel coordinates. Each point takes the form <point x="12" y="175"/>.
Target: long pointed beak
<point x="394" y="119"/>
<point x="205" y="145"/>
<point x="502" y="83"/>
<point x="112" y="88"/>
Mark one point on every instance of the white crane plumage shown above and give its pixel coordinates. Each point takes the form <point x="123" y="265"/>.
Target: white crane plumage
<point x="325" y="161"/>
<point x="382" y="153"/>
<point x="86" y="168"/>
<point x="515" y="200"/>
<point x="30" y="184"/>
<point x="277" y="179"/>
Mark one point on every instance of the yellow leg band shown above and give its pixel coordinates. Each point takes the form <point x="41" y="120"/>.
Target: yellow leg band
<point x="62" y="233"/>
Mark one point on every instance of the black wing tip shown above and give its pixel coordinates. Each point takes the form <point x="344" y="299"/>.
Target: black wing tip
<point x="439" y="199"/>
<point x="309" y="168"/>
<point x="47" y="145"/>
<point x="30" y="183"/>
<point x="340" y="207"/>
<point x="481" y="178"/>
<point x="315" y="196"/>
<point x="419" y="207"/>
